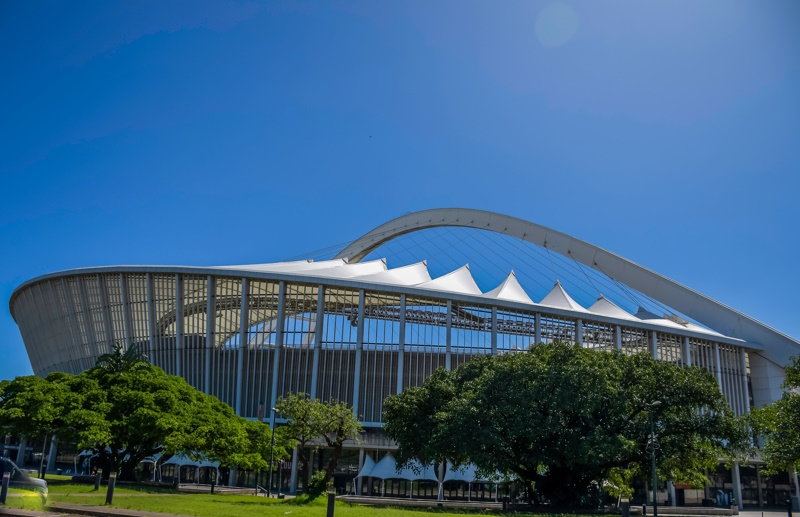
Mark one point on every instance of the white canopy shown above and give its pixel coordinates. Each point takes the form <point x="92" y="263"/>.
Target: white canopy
<point x="412" y="274"/>
<point x="467" y="473"/>
<point x="366" y="469"/>
<point x="386" y="468"/>
<point x="182" y="461"/>
<point x="606" y="307"/>
<point x="458" y="281"/>
<point x="353" y="270"/>
<point x="510" y="290"/>
<point x="559" y="299"/>
<point x="649" y="317"/>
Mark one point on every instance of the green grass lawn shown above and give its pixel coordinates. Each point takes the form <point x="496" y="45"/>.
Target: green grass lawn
<point x="207" y="505"/>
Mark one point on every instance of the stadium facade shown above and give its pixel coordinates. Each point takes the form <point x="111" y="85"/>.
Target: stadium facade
<point x="358" y="331"/>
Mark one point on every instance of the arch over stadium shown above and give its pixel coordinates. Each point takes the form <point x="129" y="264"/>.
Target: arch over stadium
<point x="357" y="330"/>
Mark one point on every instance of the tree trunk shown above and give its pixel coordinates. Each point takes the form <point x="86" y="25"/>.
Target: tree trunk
<point x="335" y="455"/>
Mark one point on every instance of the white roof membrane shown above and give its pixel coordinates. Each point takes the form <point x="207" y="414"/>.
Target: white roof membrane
<point x="410" y="275"/>
<point x="606" y="307"/>
<point x="458" y="281"/>
<point x="559" y="299"/>
<point x="510" y="290"/>
<point x="366" y="469"/>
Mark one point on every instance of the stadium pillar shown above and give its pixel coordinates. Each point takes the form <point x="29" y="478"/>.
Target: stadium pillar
<point x="21" y="452"/>
<point x="401" y="349"/>
<point x="654" y="344"/>
<point x="51" y="456"/>
<point x="179" y="324"/>
<point x="537" y="329"/>
<point x="360" y="466"/>
<point x="617" y="337"/>
<point x="671" y="493"/>
<point x="126" y="315"/>
<point x="579" y="332"/>
<point x="319" y="322"/>
<point x="686" y="352"/>
<point x="359" y="348"/>
<point x="494" y="330"/>
<point x="293" y="479"/>
<point x="151" y="317"/>
<point x="448" y="335"/>
<point x="243" y="325"/>
<point x="276" y="354"/>
<point x="737" y="484"/>
<point x="211" y="319"/>
<point x="758" y="483"/>
<point x="717" y="367"/>
<point x="743" y="378"/>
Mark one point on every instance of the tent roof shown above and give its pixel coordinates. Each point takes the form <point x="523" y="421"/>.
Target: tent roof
<point x="353" y="270"/>
<point x="559" y="298"/>
<point x="510" y="290"/>
<point x="181" y="460"/>
<point x="645" y="315"/>
<point x="410" y="275"/>
<point x="606" y="307"/>
<point x="366" y="469"/>
<point x="458" y="281"/>
<point x="467" y="473"/>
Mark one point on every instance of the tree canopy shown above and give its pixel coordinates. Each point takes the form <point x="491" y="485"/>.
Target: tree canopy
<point x="561" y="418"/>
<point x="779" y="424"/>
<point x="311" y="422"/>
<point x="126" y="410"/>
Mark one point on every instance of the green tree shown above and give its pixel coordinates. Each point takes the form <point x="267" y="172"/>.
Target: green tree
<point x="778" y="424"/>
<point x="311" y="422"/>
<point x="31" y="406"/>
<point x="126" y="410"/>
<point x="562" y="418"/>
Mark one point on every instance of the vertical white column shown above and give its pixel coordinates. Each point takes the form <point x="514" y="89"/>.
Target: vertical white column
<point x="448" y="335"/>
<point x="320" y="321"/>
<point x="494" y="330"/>
<point x="293" y="478"/>
<point x="151" y="314"/>
<point x="276" y="353"/>
<point x="51" y="457"/>
<point x="717" y="369"/>
<point x="109" y="321"/>
<point x="737" y="485"/>
<point x="360" y="466"/>
<point x="743" y="379"/>
<point x="178" y="323"/>
<point x="126" y="315"/>
<point x="671" y="493"/>
<point x="211" y="320"/>
<point x="243" y="326"/>
<point x="579" y="332"/>
<point x="359" y="349"/>
<point x="687" y="352"/>
<point x="537" y="329"/>
<point x="402" y="343"/>
<point x="23" y="445"/>
<point x="617" y="337"/>
<point x="654" y="344"/>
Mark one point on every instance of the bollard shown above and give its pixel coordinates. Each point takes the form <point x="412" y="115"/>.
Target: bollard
<point x="112" y="480"/>
<point x="331" y="501"/>
<point x="213" y="484"/>
<point x="97" y="480"/>
<point x="789" y="506"/>
<point x="625" y="506"/>
<point x="4" y="491"/>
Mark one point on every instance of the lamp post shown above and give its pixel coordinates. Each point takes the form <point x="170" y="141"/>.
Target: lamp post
<point x="650" y="408"/>
<point x="271" y="453"/>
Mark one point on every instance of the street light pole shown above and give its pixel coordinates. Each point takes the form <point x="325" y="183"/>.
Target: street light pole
<point x="653" y="458"/>
<point x="650" y="407"/>
<point x="271" y="453"/>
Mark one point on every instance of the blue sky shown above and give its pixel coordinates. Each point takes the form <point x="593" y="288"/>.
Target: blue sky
<point x="222" y="132"/>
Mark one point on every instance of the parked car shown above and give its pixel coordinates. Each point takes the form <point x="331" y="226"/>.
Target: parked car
<point x="21" y="480"/>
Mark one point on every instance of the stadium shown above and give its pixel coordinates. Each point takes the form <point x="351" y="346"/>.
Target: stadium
<point x="365" y="320"/>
